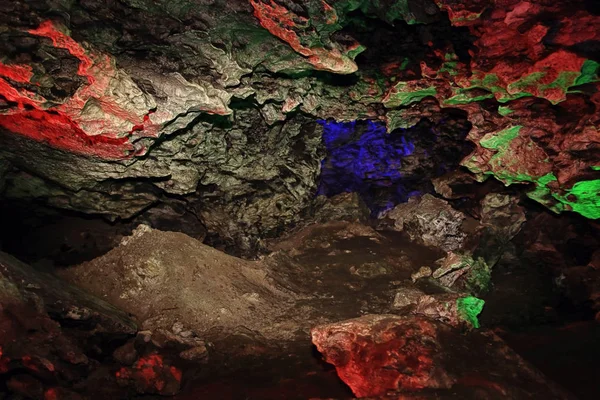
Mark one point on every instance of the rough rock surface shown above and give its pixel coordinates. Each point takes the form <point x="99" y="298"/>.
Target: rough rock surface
<point x="430" y="220"/>
<point x="342" y="207"/>
<point x="52" y="334"/>
<point x="379" y="353"/>
<point x="416" y="356"/>
<point x="114" y="108"/>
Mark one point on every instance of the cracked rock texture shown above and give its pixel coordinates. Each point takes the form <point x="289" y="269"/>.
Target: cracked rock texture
<point x="113" y="108"/>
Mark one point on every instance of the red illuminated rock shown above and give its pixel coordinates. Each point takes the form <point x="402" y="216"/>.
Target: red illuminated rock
<point x="388" y="356"/>
<point x="291" y="28"/>
<point x="380" y="353"/>
<point x="150" y="375"/>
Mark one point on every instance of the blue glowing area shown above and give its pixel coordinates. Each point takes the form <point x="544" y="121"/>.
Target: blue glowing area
<point x="363" y="158"/>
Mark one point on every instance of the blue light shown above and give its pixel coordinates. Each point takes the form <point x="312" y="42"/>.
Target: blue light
<point x="367" y="161"/>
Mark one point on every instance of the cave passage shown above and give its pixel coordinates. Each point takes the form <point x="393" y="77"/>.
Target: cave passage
<point x="299" y="199"/>
<point x="385" y="169"/>
<point x="366" y="160"/>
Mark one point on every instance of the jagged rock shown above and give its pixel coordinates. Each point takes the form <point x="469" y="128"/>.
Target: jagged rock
<point x="449" y="185"/>
<point x="366" y="350"/>
<point x="379" y="355"/>
<point x="74" y="78"/>
<point x="232" y="199"/>
<point x="501" y="220"/>
<point x="126" y="354"/>
<point x="423" y="272"/>
<point x="453" y="309"/>
<point x="463" y="273"/>
<point x="151" y="375"/>
<point x="197" y="353"/>
<point x="405" y="297"/>
<point x="430" y="221"/>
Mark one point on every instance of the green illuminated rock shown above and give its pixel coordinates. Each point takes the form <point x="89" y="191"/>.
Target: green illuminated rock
<point x="405" y="94"/>
<point x="469" y="308"/>
<point x="583" y="198"/>
<point x="500" y="140"/>
<point x="505" y="110"/>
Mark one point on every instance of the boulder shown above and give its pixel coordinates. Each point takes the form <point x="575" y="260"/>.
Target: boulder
<point x="431" y="221"/>
<point x="397" y="357"/>
<point x="379" y="353"/>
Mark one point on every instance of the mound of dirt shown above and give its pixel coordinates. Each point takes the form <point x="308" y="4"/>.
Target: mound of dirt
<point x="167" y="277"/>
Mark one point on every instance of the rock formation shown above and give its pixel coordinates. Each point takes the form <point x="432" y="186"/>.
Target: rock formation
<point x="112" y="109"/>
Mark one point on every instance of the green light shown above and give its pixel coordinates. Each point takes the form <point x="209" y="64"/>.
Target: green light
<point x="469" y="308"/>
<point x="404" y="97"/>
<point x="587" y="198"/>
<point x="504" y="111"/>
<point x="589" y="72"/>
<point x="500" y="140"/>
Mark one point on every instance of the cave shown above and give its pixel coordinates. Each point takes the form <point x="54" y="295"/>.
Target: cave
<point x="299" y="199"/>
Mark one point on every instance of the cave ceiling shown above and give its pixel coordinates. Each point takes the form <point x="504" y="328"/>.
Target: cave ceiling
<point x="113" y="107"/>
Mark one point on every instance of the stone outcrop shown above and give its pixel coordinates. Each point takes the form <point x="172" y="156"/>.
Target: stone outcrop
<point x="203" y="288"/>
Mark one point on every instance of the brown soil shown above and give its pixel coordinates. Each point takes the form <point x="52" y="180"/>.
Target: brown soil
<point x="257" y="315"/>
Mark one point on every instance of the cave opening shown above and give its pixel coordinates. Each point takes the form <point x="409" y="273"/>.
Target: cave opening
<point x="275" y="199"/>
<point x="386" y="169"/>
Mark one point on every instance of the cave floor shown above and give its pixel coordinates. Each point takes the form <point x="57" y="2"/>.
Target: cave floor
<point x="566" y="354"/>
<point x="322" y="274"/>
<point x="352" y="270"/>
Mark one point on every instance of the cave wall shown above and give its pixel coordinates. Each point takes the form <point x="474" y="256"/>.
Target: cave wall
<point x="114" y="108"/>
